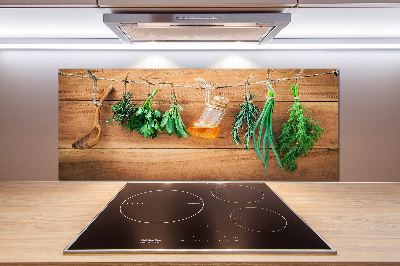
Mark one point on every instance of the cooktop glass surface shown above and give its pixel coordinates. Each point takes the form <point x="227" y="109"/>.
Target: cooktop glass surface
<point x="198" y="217"/>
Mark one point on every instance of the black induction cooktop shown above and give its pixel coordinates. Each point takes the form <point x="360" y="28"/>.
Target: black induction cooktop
<point x="198" y="217"/>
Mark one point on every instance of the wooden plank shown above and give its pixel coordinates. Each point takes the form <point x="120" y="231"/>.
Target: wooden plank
<point x="76" y="118"/>
<point x="189" y="164"/>
<point x="39" y="219"/>
<point x="76" y="112"/>
<point x="318" y="88"/>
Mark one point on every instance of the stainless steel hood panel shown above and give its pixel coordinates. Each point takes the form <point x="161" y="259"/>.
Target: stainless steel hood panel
<point x="196" y="33"/>
<point x="196" y="3"/>
<point x="250" y="27"/>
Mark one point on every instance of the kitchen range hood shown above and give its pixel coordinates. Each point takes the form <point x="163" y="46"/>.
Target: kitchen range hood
<point x="175" y="27"/>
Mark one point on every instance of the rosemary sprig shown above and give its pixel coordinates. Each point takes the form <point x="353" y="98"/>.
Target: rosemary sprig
<point x="246" y="117"/>
<point x="122" y="110"/>
<point x="146" y="120"/>
<point x="172" y="120"/>
<point x="264" y="123"/>
<point x="298" y="135"/>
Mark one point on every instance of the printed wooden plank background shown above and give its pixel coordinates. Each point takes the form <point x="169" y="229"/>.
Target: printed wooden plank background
<point x="121" y="155"/>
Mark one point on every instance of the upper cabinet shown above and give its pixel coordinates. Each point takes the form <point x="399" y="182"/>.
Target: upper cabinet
<point x="349" y="3"/>
<point x="219" y="4"/>
<point x="48" y="3"/>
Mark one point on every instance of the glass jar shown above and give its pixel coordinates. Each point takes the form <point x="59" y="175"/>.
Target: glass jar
<point x="207" y="125"/>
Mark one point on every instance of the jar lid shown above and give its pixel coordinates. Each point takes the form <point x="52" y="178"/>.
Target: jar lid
<point x="220" y="102"/>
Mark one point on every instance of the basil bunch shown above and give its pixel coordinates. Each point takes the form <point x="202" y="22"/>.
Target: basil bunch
<point x="173" y="122"/>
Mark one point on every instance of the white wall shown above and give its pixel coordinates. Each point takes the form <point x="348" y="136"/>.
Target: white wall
<point x="369" y="133"/>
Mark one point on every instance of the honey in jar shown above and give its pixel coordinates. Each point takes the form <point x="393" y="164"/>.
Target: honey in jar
<point x="207" y="125"/>
<point x="205" y="132"/>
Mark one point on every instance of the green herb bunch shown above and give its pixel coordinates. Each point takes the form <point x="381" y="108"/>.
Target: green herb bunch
<point x="298" y="135"/>
<point x="264" y="125"/>
<point x="146" y="120"/>
<point x="122" y="110"/>
<point x="172" y="120"/>
<point x="246" y="117"/>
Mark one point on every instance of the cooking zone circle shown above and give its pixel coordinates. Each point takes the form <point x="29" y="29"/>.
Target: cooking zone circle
<point x="257" y="219"/>
<point x="161" y="206"/>
<point x="237" y="194"/>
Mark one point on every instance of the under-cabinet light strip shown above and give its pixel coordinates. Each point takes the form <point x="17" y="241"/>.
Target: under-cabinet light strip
<point x="199" y="46"/>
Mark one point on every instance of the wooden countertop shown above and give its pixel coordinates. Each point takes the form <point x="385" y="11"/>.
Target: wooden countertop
<point x="360" y="220"/>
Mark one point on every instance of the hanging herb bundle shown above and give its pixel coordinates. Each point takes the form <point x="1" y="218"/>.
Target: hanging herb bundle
<point x="172" y="120"/>
<point x="122" y="110"/>
<point x="264" y="125"/>
<point x="146" y="120"/>
<point x="247" y="115"/>
<point x="298" y="135"/>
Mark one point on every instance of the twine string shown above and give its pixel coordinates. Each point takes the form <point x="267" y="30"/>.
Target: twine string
<point x="125" y="81"/>
<point x="92" y="76"/>
<point x="207" y="88"/>
<point x="269" y="72"/>
<point x="246" y="94"/>
<point x="298" y="76"/>
<point x="148" y="87"/>
<point x="173" y="95"/>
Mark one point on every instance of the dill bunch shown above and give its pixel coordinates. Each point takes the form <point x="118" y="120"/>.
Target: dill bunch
<point x="299" y="134"/>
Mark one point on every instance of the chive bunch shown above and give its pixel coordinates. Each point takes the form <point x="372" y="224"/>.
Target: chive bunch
<point x="264" y="126"/>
